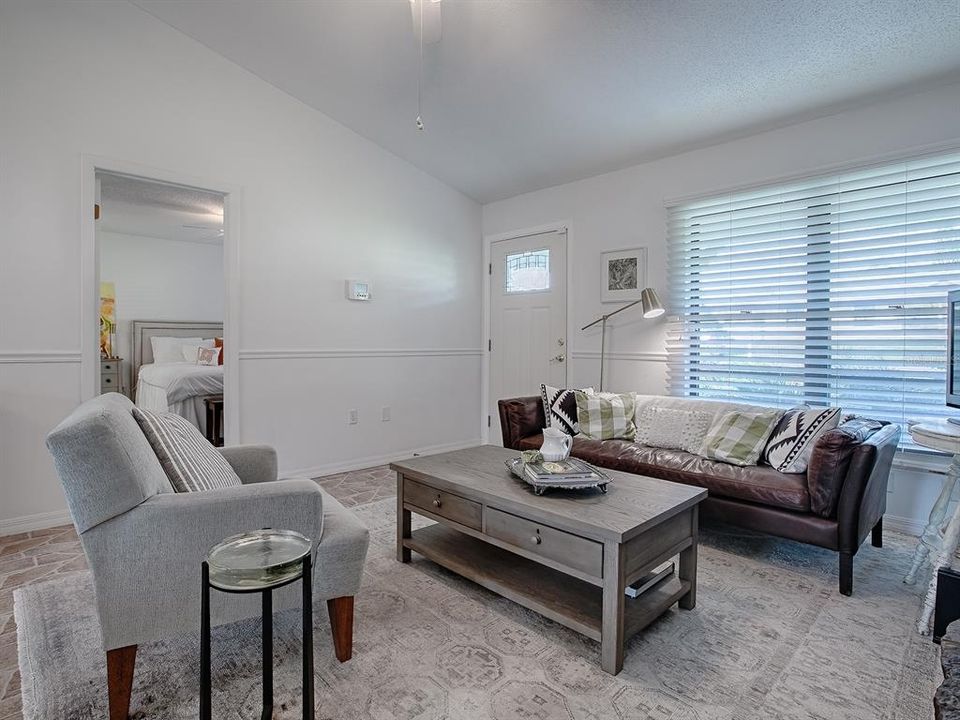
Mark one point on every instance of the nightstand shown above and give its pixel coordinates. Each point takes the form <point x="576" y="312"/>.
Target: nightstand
<point x="110" y="378"/>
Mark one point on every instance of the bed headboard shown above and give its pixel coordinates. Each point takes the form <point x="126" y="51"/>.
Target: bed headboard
<point x="143" y="330"/>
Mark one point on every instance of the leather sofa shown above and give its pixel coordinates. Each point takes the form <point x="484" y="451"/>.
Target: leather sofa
<point x="835" y="504"/>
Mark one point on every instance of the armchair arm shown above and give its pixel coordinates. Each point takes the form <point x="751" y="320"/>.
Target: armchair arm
<point x="252" y="463"/>
<point x="146" y="562"/>
<point x="520" y="418"/>
<point x="863" y="498"/>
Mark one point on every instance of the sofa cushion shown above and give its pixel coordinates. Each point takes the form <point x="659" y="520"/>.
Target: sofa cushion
<point x="738" y="438"/>
<point x="560" y="408"/>
<point x="759" y="484"/>
<point x="795" y="436"/>
<point x="606" y="416"/>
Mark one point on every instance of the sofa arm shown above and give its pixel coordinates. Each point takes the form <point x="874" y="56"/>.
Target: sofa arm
<point x="146" y="562"/>
<point x="520" y="418"/>
<point x="252" y="463"/>
<point x="863" y="499"/>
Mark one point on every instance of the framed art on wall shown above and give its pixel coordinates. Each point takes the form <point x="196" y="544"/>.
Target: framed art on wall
<point x="623" y="274"/>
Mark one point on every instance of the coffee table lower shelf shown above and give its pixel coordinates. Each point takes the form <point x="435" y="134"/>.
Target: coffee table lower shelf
<point x="565" y="599"/>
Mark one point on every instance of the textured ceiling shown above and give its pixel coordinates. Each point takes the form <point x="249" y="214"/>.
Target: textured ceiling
<point x="135" y="206"/>
<point x="520" y="95"/>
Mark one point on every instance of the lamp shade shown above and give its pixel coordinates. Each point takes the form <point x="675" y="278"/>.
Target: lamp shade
<point x="652" y="307"/>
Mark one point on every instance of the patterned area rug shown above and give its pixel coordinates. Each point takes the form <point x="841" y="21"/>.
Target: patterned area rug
<point x="770" y="639"/>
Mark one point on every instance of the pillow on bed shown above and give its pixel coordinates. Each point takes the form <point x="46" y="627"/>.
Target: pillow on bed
<point x="208" y="356"/>
<point x="168" y="349"/>
<point x="218" y="342"/>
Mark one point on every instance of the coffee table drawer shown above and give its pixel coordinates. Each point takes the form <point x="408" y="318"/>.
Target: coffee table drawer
<point x="562" y="547"/>
<point x="453" y="507"/>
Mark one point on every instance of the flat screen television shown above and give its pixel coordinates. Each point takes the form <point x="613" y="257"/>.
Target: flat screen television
<point x="953" y="351"/>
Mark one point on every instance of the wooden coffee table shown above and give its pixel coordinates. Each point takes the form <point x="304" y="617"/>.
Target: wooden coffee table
<point x="567" y="555"/>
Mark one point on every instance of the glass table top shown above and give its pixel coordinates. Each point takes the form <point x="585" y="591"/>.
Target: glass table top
<point x="257" y="560"/>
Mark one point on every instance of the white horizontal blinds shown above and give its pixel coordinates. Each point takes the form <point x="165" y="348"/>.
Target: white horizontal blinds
<point x="828" y="291"/>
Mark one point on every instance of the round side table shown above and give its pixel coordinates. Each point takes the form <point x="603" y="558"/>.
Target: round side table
<point x="260" y="561"/>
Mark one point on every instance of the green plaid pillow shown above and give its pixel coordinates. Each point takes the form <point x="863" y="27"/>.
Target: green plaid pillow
<point x="606" y="416"/>
<point x="738" y="438"/>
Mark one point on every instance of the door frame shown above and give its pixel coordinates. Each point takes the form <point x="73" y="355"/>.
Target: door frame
<point x="90" y="275"/>
<point x="564" y="226"/>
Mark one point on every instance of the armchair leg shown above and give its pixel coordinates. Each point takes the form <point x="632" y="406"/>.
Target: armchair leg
<point x="877" y="534"/>
<point x="846" y="573"/>
<point x="341" y="622"/>
<point x="120" y="664"/>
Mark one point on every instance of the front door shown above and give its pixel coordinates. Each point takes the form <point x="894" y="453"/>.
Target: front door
<point x="528" y="318"/>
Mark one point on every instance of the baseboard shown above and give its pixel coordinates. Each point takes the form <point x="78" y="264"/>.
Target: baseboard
<point x="40" y="521"/>
<point x="369" y="461"/>
<point x="908" y="526"/>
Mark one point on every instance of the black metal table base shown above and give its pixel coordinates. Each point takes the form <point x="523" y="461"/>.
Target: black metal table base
<point x="206" y="688"/>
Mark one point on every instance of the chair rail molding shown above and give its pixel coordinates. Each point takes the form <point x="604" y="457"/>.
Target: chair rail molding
<point x="37" y="357"/>
<point x="328" y="353"/>
<point x="636" y="356"/>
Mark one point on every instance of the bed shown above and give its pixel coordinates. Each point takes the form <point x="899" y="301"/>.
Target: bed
<point x="177" y="387"/>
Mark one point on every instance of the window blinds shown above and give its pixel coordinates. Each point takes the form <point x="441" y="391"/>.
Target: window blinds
<point x="826" y="291"/>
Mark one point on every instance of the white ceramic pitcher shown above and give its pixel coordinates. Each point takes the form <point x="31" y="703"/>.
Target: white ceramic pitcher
<point x="556" y="445"/>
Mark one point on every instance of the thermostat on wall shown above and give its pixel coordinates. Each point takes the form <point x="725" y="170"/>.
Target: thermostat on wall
<point x="358" y="290"/>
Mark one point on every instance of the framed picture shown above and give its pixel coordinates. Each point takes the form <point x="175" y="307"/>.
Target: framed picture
<point x="624" y="275"/>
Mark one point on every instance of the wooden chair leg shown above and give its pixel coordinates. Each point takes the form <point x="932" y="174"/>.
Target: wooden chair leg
<point x="877" y="534"/>
<point x="120" y="664"/>
<point x="341" y="622"/>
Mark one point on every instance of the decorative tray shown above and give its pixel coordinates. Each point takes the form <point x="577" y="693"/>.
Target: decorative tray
<point x="597" y="480"/>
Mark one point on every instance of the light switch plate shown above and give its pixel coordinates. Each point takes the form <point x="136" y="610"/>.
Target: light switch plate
<point x="358" y="290"/>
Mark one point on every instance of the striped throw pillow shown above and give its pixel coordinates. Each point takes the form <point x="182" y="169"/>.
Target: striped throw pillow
<point x="187" y="457"/>
<point x="738" y="438"/>
<point x="606" y="416"/>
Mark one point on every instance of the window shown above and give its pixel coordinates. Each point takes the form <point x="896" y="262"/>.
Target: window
<point x="827" y="291"/>
<point x="528" y="271"/>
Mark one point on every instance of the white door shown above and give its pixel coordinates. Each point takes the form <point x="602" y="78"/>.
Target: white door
<point x="528" y="318"/>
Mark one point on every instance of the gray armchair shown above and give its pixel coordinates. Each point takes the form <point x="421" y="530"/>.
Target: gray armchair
<point x="144" y="542"/>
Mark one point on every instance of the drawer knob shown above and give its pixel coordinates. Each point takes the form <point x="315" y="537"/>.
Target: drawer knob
<point x="437" y="503"/>
<point x="536" y="540"/>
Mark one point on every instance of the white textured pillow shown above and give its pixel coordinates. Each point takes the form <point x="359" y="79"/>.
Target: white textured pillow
<point x="672" y="428"/>
<point x="168" y="349"/>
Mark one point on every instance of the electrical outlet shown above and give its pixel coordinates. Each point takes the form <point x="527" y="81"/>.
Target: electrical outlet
<point x="353" y="417"/>
<point x="385" y="413"/>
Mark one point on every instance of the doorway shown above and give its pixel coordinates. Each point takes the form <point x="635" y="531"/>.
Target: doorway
<point x="528" y="318"/>
<point x="159" y="251"/>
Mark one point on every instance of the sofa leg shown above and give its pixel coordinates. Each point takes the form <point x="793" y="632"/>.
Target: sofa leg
<point x="846" y="573"/>
<point x="120" y="664"/>
<point x="876" y="536"/>
<point x="341" y="622"/>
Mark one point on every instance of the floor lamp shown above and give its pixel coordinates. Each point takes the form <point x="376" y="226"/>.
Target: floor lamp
<point x="652" y="308"/>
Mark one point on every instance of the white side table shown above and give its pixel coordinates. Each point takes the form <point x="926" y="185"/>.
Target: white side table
<point x="942" y="533"/>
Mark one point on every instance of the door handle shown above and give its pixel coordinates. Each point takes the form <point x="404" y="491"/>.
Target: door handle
<point x="559" y="358"/>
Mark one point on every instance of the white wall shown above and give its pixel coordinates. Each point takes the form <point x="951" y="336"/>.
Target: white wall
<point x="160" y="279"/>
<point x="319" y="204"/>
<point x="627" y="209"/>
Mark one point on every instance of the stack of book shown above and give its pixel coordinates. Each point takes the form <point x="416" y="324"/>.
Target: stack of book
<point x="562" y="472"/>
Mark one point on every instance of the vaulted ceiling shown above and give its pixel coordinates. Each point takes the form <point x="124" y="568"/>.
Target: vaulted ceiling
<point x="524" y="94"/>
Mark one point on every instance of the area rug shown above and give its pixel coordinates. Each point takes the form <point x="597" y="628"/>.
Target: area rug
<point x="771" y="638"/>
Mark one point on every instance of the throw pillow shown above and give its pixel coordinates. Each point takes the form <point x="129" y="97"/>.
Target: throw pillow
<point x="560" y="408"/>
<point x="187" y="457"/>
<point x="208" y="356"/>
<point x="738" y="438"/>
<point x="673" y="428"/>
<point x="218" y="342"/>
<point x="792" y="442"/>
<point x="606" y="417"/>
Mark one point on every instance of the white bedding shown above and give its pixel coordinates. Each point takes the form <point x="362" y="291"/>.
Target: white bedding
<point x="179" y="388"/>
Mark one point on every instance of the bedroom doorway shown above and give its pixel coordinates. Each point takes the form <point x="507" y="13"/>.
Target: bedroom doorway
<point x="161" y="296"/>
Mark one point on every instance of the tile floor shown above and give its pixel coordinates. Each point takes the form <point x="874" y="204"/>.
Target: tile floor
<point x="34" y="556"/>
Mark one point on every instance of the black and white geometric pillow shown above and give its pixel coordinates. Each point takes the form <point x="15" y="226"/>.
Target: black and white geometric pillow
<point x="791" y="444"/>
<point x="560" y="408"/>
<point x="188" y="458"/>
